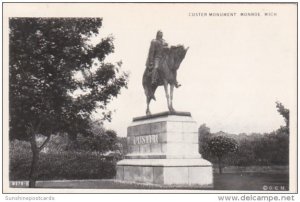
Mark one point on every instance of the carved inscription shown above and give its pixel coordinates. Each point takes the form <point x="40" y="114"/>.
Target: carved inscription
<point x="146" y="139"/>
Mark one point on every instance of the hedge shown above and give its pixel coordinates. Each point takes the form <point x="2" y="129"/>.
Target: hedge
<point x="59" y="166"/>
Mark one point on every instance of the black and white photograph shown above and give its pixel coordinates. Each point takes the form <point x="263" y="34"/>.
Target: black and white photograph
<point x="150" y="97"/>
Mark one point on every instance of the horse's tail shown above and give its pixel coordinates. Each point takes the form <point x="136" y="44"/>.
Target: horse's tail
<point x="149" y="89"/>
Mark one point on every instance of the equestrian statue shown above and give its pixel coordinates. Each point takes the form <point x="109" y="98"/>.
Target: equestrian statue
<point x="161" y="69"/>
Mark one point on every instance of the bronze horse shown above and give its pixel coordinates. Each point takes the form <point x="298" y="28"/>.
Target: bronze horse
<point x="167" y="71"/>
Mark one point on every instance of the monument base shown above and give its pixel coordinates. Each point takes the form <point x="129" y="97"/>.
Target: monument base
<point x="163" y="150"/>
<point x="166" y="171"/>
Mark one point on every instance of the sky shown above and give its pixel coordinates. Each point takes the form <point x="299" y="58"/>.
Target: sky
<point x="235" y="70"/>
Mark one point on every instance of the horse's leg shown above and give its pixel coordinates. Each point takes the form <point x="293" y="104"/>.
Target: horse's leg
<point x="167" y="94"/>
<point x="148" y="99"/>
<point x="171" y="97"/>
<point x="148" y="102"/>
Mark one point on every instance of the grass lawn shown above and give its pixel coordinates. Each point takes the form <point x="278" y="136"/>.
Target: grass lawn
<point x="227" y="181"/>
<point x="251" y="181"/>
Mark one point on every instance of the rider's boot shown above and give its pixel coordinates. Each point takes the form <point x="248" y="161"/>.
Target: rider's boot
<point x="177" y="85"/>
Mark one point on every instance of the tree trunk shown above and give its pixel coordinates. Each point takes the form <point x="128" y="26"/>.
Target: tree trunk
<point x="34" y="162"/>
<point x="220" y="165"/>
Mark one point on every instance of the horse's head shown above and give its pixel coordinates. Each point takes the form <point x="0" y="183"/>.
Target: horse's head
<point x="177" y="54"/>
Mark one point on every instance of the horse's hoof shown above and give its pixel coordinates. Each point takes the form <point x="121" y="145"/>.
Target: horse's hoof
<point x="171" y="109"/>
<point x="148" y="113"/>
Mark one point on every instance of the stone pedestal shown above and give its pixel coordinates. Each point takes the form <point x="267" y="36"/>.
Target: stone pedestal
<point x="163" y="149"/>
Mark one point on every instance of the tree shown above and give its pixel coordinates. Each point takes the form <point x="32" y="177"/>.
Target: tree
<point x="123" y="145"/>
<point x="286" y="115"/>
<point x="220" y="146"/>
<point x="204" y="136"/>
<point x="100" y="142"/>
<point x="45" y="55"/>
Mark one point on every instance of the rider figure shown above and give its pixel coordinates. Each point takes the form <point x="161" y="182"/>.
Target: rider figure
<point x="155" y="56"/>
